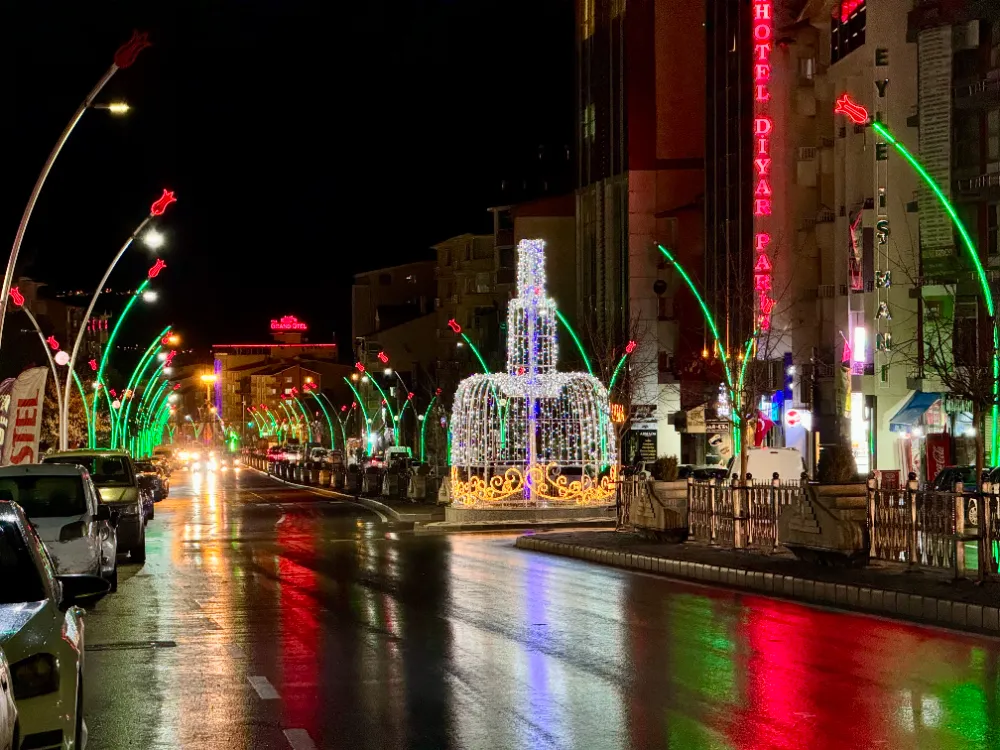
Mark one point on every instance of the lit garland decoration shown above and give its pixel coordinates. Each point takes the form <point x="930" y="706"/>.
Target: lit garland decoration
<point x="532" y="435"/>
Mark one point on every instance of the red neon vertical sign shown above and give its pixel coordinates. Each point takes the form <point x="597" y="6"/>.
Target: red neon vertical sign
<point x="763" y="126"/>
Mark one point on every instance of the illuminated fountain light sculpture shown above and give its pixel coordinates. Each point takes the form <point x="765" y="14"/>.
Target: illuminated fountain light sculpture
<point x="532" y="435"/>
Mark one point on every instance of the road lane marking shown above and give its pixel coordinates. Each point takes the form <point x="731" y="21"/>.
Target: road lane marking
<point x="263" y="687"/>
<point x="299" y="739"/>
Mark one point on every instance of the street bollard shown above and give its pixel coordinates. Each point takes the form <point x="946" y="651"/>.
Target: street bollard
<point x="323" y="477"/>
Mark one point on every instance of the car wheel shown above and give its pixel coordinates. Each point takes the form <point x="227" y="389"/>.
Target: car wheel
<point x="138" y="553"/>
<point x="152" y="512"/>
<point x="113" y="579"/>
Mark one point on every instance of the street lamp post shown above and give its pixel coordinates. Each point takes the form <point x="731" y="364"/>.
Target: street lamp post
<point x="124" y="57"/>
<point x="48" y="353"/>
<point x="156" y="209"/>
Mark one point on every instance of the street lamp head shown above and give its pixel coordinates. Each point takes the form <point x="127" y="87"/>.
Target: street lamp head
<point x="153" y="239"/>
<point x="172" y="397"/>
<point x="364" y="379"/>
<point x="162" y="356"/>
<point x="208" y="378"/>
<point x="119" y="108"/>
<point x="168" y="371"/>
<point x="173" y="339"/>
<point x="149" y="296"/>
<point x="388" y="371"/>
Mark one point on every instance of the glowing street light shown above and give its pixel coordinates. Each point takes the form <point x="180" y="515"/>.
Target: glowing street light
<point x="388" y="371"/>
<point x="173" y="339"/>
<point x="115" y="108"/>
<point x="153" y="239"/>
<point x="149" y="296"/>
<point x="162" y="356"/>
<point x="208" y="378"/>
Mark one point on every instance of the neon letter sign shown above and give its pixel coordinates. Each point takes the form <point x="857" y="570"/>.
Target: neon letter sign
<point x="288" y="323"/>
<point x="763" y="126"/>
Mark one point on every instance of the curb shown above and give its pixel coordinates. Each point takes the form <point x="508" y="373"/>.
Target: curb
<point x="921" y="609"/>
<point x="445" y="527"/>
<point x="365" y="502"/>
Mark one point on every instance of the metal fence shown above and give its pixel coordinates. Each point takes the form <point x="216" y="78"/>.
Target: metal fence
<point x="738" y="515"/>
<point x="956" y="531"/>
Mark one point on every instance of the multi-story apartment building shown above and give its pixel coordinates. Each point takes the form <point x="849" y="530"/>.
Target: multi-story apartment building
<point x="641" y="152"/>
<point x="387" y="297"/>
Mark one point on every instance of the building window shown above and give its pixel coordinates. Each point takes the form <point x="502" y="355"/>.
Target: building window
<point x="965" y="337"/>
<point x="993" y="134"/>
<point x="807" y="68"/>
<point x="847" y="28"/>
<point x="992" y="230"/>
<point x="411" y="279"/>
<point x="589" y="123"/>
<point x="288" y="379"/>
<point x="445" y="258"/>
<point x="587" y="19"/>
<point x="483" y="282"/>
<point x="995" y="45"/>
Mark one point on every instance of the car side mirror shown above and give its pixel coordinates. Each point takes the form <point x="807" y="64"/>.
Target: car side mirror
<point x="103" y="513"/>
<point x="82" y="591"/>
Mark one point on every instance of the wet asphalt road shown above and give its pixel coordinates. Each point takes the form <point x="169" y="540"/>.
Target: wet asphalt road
<point x="270" y="617"/>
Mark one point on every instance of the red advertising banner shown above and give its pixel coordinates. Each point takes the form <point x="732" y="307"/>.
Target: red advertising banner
<point x="27" y="397"/>
<point x="938" y="453"/>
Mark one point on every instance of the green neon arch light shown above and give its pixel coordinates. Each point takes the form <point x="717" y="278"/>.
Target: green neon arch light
<point x="576" y="340"/>
<point x="423" y="427"/>
<point x="116" y="421"/>
<point x="343" y="431"/>
<point x="305" y="416"/>
<point x="364" y="412"/>
<point x="329" y="422"/>
<point x="970" y="246"/>
<point x="127" y="408"/>
<point x="108" y="346"/>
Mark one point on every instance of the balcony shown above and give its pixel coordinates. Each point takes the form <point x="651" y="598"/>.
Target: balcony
<point x="985" y="93"/>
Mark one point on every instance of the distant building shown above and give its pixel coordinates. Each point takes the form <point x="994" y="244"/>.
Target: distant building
<point x="387" y="297"/>
<point x="641" y="155"/>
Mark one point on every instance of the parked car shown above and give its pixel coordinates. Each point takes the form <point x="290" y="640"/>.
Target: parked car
<point x="293" y="454"/>
<point x="151" y="483"/>
<point x="9" y="730"/>
<point x="163" y="456"/>
<point x="704" y="473"/>
<point x="275" y="454"/>
<point x="43" y="635"/>
<point x="949" y="476"/>
<point x="63" y="505"/>
<point x="114" y="476"/>
<point x="318" y="455"/>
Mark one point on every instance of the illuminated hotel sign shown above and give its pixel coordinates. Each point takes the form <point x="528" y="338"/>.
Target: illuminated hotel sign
<point x="763" y="33"/>
<point x="288" y="323"/>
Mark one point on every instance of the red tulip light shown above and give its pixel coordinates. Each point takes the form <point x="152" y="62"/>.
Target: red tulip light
<point x="437" y="392"/>
<point x="630" y="347"/>
<point x="155" y="269"/>
<point x="384" y="357"/>
<point x="453" y="324"/>
<point x="93" y="365"/>
<point x="161" y="204"/>
<point x="51" y="341"/>
<point x="16" y="297"/>
<point x="128" y="52"/>
<point x="344" y="407"/>
<point x="409" y="396"/>
<point x="360" y="367"/>
<point x="854" y="111"/>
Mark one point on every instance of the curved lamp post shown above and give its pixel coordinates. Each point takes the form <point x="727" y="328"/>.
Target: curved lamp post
<point x="124" y="57"/>
<point x="45" y="346"/>
<point x="127" y="393"/>
<point x="156" y="209"/>
<point x="859" y="116"/>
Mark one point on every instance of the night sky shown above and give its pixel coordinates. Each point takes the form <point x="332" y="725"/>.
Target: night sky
<point x="306" y="141"/>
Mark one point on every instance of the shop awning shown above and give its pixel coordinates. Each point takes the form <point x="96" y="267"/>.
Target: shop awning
<point x="910" y="414"/>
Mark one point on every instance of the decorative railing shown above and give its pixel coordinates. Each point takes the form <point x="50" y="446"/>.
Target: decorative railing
<point x="738" y="515"/>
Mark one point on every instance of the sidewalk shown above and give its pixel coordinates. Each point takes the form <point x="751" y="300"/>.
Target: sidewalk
<point x="887" y="589"/>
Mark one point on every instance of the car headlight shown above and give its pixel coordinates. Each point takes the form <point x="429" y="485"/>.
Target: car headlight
<point x="184" y="456"/>
<point x="132" y="509"/>
<point x="34" y="676"/>
<point x="195" y="466"/>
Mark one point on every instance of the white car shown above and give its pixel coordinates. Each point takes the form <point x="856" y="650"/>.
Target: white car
<point x="42" y="633"/>
<point x="64" y="506"/>
<point x="9" y="731"/>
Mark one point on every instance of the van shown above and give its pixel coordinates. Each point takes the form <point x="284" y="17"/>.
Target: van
<point x="762" y="463"/>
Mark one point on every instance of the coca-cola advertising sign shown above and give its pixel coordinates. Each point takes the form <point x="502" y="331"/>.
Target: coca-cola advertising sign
<point x="938" y="446"/>
<point x="25" y="417"/>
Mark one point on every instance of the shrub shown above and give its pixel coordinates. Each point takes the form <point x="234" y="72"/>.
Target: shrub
<point x="836" y="466"/>
<point x="665" y="469"/>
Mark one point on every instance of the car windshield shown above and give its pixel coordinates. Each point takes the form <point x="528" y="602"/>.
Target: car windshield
<point x="106" y="471"/>
<point x="45" y="497"/>
<point x="22" y="582"/>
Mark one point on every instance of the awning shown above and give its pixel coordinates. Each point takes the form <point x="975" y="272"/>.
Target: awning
<point x="911" y="412"/>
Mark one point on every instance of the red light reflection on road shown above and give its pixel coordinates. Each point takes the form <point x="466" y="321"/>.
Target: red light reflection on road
<point x="300" y="631"/>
